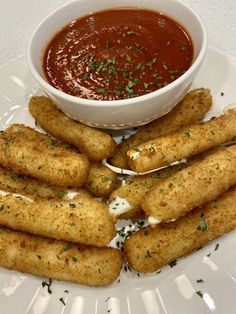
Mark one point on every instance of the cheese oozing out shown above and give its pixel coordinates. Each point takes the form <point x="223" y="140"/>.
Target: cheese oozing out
<point x="134" y="155"/>
<point x="119" y="206"/>
<point x="153" y="221"/>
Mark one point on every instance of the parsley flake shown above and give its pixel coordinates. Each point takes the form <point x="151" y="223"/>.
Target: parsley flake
<point x="173" y="263"/>
<point x="66" y="247"/>
<point x="100" y="90"/>
<point x="203" y="226"/>
<point x="199" y="293"/>
<point x="74" y="259"/>
<point x="48" y="285"/>
<point x="62" y="301"/>
<point x="199" y="280"/>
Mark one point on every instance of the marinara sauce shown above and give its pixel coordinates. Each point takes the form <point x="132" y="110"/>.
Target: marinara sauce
<point x="117" y="54"/>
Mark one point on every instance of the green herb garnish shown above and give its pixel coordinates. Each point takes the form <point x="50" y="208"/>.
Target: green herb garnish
<point x="173" y="263"/>
<point x="67" y="247"/>
<point x="74" y="259"/>
<point x="200" y="280"/>
<point x="203" y="226"/>
<point x="100" y="90"/>
<point x="48" y="285"/>
<point x="62" y="301"/>
<point x="199" y="293"/>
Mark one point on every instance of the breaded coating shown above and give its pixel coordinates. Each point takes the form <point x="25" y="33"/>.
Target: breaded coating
<point x="60" y="260"/>
<point x="27" y="186"/>
<point x="200" y="183"/>
<point x="81" y="220"/>
<point x="151" y="248"/>
<point x="133" y="190"/>
<point x="101" y="180"/>
<point x="28" y="152"/>
<point x="96" y="144"/>
<point x="185" y="143"/>
<point x="191" y="109"/>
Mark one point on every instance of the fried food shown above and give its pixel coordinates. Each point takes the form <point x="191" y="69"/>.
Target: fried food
<point x="60" y="260"/>
<point x="200" y="183"/>
<point x="191" y="109"/>
<point x="134" y="189"/>
<point x="21" y="184"/>
<point x="96" y="144"/>
<point x="82" y="220"/>
<point x="151" y="248"/>
<point x="185" y="143"/>
<point x="28" y="152"/>
<point x="101" y="180"/>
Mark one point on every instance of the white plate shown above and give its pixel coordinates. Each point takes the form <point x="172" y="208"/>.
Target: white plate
<point x="171" y="291"/>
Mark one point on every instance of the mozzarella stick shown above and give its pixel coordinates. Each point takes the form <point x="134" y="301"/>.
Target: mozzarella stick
<point x="200" y="183"/>
<point x="59" y="260"/>
<point x="101" y="180"/>
<point x="27" y="186"/>
<point x="185" y="143"/>
<point x="82" y="220"/>
<point x="33" y="188"/>
<point x="96" y="144"/>
<point x="28" y="152"/>
<point x="151" y="248"/>
<point x="132" y="191"/>
<point x="191" y="109"/>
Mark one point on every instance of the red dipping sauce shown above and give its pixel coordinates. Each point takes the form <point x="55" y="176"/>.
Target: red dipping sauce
<point x="117" y="54"/>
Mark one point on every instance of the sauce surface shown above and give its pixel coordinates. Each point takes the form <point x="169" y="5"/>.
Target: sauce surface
<point x="117" y="54"/>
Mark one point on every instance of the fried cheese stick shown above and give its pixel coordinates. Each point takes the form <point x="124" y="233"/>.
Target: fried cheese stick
<point x="101" y="180"/>
<point x="192" y="108"/>
<point x="96" y="144"/>
<point x="21" y="184"/>
<point x="185" y="143"/>
<point x="60" y="260"/>
<point x="151" y="248"/>
<point x="199" y="183"/>
<point x="82" y="220"/>
<point x="28" y="152"/>
<point x="133" y="190"/>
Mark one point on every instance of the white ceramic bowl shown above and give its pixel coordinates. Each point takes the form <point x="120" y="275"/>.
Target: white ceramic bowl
<point x="123" y="113"/>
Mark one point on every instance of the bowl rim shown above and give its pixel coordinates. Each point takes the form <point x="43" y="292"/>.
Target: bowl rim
<point x="116" y="102"/>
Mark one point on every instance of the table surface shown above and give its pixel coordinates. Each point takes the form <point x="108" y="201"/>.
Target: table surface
<point x="19" y="18"/>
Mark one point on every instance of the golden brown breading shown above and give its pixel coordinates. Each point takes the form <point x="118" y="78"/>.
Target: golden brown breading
<point x="185" y="143"/>
<point x="82" y="220"/>
<point x="201" y="182"/>
<point x="96" y="144"/>
<point x="133" y="190"/>
<point x="101" y="180"/>
<point x="60" y="260"/>
<point x="151" y="248"/>
<point x="21" y="184"/>
<point x="28" y="152"/>
<point x="192" y="108"/>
